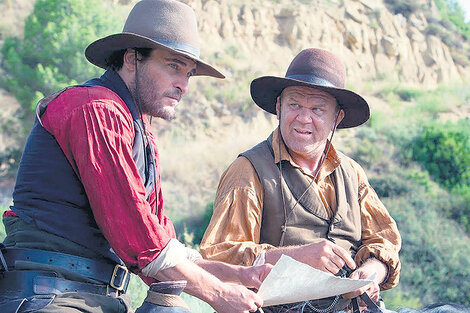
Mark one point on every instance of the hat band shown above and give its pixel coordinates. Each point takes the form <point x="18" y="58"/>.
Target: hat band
<point x="312" y="79"/>
<point x="180" y="46"/>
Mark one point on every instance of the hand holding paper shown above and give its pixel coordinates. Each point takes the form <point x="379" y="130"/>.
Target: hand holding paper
<point x="292" y="281"/>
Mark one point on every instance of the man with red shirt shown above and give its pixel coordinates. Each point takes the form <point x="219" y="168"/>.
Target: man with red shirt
<point x="88" y="206"/>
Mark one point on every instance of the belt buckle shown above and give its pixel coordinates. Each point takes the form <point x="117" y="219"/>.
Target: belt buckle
<point x="120" y="274"/>
<point x="111" y="292"/>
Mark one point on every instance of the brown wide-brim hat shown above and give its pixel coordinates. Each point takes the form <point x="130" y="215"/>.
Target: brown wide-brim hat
<point x="319" y="69"/>
<point x="154" y="24"/>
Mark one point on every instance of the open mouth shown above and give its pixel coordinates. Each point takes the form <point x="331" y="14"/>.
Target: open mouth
<point x="302" y="132"/>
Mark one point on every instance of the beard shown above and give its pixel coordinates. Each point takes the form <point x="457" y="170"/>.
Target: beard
<point x="149" y="91"/>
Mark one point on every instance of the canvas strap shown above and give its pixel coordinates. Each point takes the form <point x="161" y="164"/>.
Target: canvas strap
<point x="371" y="306"/>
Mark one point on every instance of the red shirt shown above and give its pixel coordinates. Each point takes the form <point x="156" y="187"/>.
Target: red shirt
<point x="95" y="130"/>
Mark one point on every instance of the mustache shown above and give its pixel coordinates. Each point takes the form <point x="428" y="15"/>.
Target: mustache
<point x="174" y="94"/>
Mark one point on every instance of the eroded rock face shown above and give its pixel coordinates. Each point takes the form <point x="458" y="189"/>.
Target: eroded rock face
<point x="372" y="41"/>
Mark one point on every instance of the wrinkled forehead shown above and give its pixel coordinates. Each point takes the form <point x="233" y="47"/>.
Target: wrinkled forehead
<point x="302" y="92"/>
<point x="168" y="55"/>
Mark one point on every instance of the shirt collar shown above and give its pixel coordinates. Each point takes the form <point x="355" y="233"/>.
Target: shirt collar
<point x="112" y="80"/>
<point x="331" y="163"/>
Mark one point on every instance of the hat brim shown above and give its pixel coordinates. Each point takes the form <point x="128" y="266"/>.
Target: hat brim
<point x="265" y="90"/>
<point x="100" y="50"/>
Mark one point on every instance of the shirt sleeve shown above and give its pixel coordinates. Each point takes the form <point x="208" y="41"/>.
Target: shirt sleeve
<point x="233" y="233"/>
<point x="97" y="137"/>
<point x="380" y="236"/>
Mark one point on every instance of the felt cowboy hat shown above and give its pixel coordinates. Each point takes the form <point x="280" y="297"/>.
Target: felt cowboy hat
<point x="318" y="69"/>
<point x="153" y="24"/>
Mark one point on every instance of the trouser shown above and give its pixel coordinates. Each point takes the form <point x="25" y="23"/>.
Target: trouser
<point x="33" y="280"/>
<point x="162" y="298"/>
<point x="70" y="302"/>
<point x="27" y="286"/>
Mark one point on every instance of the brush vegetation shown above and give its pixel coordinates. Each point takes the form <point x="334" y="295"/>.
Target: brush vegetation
<point x="415" y="148"/>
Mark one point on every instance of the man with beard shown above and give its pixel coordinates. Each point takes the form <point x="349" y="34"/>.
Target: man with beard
<point x="294" y="194"/>
<point x="88" y="205"/>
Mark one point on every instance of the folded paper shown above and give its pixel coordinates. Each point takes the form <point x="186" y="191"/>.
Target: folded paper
<point x="292" y="281"/>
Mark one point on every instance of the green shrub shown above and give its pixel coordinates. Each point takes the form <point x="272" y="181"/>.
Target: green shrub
<point x="460" y="59"/>
<point x="460" y="208"/>
<point x="434" y="252"/>
<point x="395" y="299"/>
<point x="192" y="229"/>
<point x="51" y="55"/>
<point x="444" y="150"/>
<point x="2" y="229"/>
<point x="408" y="94"/>
<point x="404" y="7"/>
<point x="386" y="187"/>
<point x="435" y="30"/>
<point x="366" y="151"/>
<point x="137" y="291"/>
<point x="450" y="10"/>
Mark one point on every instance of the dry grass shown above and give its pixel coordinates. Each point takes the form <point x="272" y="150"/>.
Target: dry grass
<point x="12" y="15"/>
<point x="192" y="165"/>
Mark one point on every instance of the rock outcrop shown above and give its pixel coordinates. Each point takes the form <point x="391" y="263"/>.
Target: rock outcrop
<point x="371" y="40"/>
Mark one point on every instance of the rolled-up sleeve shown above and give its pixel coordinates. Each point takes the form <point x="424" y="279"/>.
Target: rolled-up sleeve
<point x="97" y="136"/>
<point x="380" y="236"/>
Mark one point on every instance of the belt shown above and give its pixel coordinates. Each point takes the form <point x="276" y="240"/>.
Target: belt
<point x="115" y="275"/>
<point x="28" y="283"/>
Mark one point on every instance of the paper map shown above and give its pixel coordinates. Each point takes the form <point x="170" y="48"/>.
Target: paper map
<point x="292" y="281"/>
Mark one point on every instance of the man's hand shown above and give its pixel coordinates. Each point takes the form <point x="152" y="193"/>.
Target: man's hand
<point x="323" y="255"/>
<point x="249" y="276"/>
<point x="253" y="276"/>
<point x="233" y="298"/>
<point x="365" y="271"/>
<point x="222" y="296"/>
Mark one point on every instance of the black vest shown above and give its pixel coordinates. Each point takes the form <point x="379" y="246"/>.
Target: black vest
<point x="49" y="194"/>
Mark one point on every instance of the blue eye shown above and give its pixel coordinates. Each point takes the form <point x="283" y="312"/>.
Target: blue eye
<point x="173" y="66"/>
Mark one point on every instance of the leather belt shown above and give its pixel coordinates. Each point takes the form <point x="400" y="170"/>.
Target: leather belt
<point x="28" y="283"/>
<point x="115" y="275"/>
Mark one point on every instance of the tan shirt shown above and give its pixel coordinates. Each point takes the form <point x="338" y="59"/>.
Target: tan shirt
<point x="233" y="233"/>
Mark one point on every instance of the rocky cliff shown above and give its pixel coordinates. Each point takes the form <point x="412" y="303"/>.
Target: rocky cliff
<point x="247" y="39"/>
<point x="371" y="40"/>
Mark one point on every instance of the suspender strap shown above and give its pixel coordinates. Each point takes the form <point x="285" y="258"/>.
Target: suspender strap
<point x="371" y="306"/>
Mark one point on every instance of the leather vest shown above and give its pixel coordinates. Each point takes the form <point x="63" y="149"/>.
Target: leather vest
<point x="307" y="220"/>
<point x="49" y="194"/>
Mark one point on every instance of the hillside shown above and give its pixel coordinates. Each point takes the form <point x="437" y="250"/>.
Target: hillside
<point x="378" y="47"/>
<point x="412" y="67"/>
<point x="247" y="39"/>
